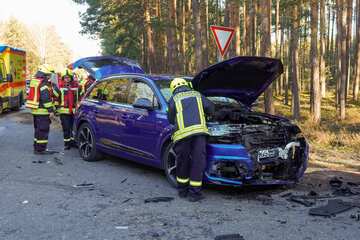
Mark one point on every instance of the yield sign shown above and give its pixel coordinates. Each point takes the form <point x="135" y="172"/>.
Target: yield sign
<point x="223" y="37"/>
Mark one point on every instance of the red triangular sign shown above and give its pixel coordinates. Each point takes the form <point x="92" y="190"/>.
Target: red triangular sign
<point x="223" y="37"/>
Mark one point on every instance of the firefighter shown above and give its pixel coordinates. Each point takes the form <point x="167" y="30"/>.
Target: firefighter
<point x="187" y="109"/>
<point x="85" y="80"/>
<point x="40" y="101"/>
<point x="67" y="97"/>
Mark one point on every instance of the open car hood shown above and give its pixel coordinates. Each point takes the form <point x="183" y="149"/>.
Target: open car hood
<point x="241" y="78"/>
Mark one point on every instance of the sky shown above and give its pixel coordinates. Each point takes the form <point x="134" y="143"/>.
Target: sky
<point x="63" y="14"/>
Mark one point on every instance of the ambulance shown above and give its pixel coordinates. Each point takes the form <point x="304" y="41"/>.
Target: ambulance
<point x="12" y="77"/>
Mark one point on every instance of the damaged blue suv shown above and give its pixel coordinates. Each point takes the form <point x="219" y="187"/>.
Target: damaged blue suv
<point x="125" y="115"/>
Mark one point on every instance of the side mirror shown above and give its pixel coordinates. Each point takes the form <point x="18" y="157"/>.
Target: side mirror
<point x="143" y="103"/>
<point x="9" y="77"/>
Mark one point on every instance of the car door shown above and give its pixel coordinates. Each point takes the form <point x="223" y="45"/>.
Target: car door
<point x="142" y="126"/>
<point x="98" y="105"/>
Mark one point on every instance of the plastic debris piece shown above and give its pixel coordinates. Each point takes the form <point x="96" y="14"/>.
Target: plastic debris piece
<point x="126" y="200"/>
<point x="124" y="180"/>
<point x="332" y="208"/>
<point x="58" y="161"/>
<point x="25" y="202"/>
<point x="121" y="227"/>
<point x="84" y="185"/>
<point x="158" y="199"/>
<point x="38" y="161"/>
<point x="301" y="200"/>
<point x="230" y="237"/>
<point x="335" y="182"/>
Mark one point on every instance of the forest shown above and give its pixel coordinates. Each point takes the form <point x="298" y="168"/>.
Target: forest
<point x="318" y="41"/>
<point x="41" y="43"/>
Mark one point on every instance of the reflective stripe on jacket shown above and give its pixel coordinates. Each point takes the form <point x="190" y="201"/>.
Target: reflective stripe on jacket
<point x="67" y="99"/>
<point x="40" y="97"/>
<point x="190" y="116"/>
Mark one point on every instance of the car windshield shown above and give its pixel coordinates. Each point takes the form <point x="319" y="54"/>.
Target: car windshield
<point x="164" y="86"/>
<point x="96" y="64"/>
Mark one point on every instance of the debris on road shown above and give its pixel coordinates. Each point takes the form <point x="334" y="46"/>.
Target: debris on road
<point x="345" y="189"/>
<point x="25" y="202"/>
<point x="84" y="185"/>
<point x="58" y="161"/>
<point x="158" y="199"/>
<point x="356" y="217"/>
<point x="126" y="200"/>
<point x="121" y="227"/>
<point x="124" y="180"/>
<point x="332" y="208"/>
<point x="265" y="199"/>
<point x="303" y="200"/>
<point x="38" y="161"/>
<point x="230" y="237"/>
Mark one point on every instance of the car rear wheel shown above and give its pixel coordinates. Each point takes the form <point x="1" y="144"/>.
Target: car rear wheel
<point x="87" y="144"/>
<point x="169" y="164"/>
<point x="1" y="106"/>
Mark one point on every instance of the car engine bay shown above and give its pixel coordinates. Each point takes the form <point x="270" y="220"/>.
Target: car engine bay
<point x="275" y="145"/>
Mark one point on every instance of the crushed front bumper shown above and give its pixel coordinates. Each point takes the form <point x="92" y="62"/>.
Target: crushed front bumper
<point x="231" y="165"/>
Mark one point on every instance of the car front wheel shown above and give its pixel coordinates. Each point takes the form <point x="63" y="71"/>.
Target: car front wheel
<point x="87" y="144"/>
<point x="169" y="164"/>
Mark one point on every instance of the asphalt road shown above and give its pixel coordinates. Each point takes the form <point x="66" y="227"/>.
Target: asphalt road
<point x="39" y="199"/>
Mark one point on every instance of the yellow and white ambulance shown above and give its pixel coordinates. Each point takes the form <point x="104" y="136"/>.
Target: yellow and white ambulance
<point x="12" y="77"/>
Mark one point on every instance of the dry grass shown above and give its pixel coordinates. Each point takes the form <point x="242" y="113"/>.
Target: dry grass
<point x="333" y="144"/>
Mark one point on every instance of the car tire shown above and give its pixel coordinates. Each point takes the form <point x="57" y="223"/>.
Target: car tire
<point x="169" y="164"/>
<point x="1" y="106"/>
<point x="19" y="103"/>
<point x="87" y="144"/>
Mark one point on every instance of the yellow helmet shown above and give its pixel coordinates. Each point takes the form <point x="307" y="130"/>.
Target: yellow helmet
<point x="66" y="72"/>
<point x="46" y="69"/>
<point x="177" y="82"/>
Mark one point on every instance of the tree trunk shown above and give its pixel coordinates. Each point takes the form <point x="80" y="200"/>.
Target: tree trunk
<point x="293" y="53"/>
<point x="245" y="37"/>
<point x="349" y="10"/>
<point x="322" y="48"/>
<point x="356" y="80"/>
<point x="189" y="35"/>
<point x="237" y="28"/>
<point x="316" y="94"/>
<point x="150" y="56"/>
<point x="265" y="50"/>
<point x="182" y="42"/>
<point x="205" y="32"/>
<point x="171" y="37"/>
<point x="197" y="24"/>
<point x="341" y="16"/>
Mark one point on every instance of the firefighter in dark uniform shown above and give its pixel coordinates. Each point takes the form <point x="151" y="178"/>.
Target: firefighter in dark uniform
<point x="187" y="109"/>
<point x="40" y="101"/>
<point x="67" y="97"/>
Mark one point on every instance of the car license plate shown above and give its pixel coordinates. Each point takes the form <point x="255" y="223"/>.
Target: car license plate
<point x="268" y="153"/>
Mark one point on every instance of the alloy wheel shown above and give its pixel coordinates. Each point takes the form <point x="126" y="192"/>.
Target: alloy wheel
<point x="86" y="142"/>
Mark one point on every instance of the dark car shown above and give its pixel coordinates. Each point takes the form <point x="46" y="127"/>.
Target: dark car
<point x="126" y="115"/>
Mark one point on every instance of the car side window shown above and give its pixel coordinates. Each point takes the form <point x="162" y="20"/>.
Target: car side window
<point x="118" y="90"/>
<point x="139" y="89"/>
<point x="98" y="92"/>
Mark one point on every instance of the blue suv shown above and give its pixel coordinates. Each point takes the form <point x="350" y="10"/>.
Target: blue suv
<point x="125" y="115"/>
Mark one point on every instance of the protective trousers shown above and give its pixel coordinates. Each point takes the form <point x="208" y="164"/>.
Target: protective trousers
<point x="67" y="121"/>
<point x="191" y="162"/>
<point x="41" y="132"/>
